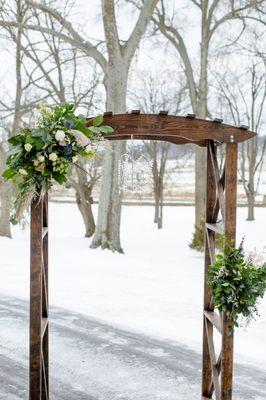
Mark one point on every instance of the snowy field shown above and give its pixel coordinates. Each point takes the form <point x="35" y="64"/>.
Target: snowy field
<point x="155" y="288"/>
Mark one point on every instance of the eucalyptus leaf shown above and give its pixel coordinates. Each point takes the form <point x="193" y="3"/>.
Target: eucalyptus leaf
<point x="97" y="121"/>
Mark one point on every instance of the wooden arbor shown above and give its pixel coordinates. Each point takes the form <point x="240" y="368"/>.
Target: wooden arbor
<point x="217" y="372"/>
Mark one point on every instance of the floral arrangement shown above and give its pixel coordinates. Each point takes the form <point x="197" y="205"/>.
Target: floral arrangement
<point x="237" y="281"/>
<point x="45" y="154"/>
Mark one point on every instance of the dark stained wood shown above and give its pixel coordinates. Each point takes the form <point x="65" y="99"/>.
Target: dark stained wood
<point x="231" y="192"/>
<point x="219" y="183"/>
<point x="166" y="138"/>
<point x="179" y="130"/>
<point x="36" y="300"/>
<point x="211" y="245"/>
<point x="45" y="304"/>
<point x="230" y="232"/>
<point x="217" y="206"/>
<point x="162" y="126"/>
<point x="210" y="204"/>
<point x="39" y="325"/>
<point x="215" y="374"/>
<point x="218" y="120"/>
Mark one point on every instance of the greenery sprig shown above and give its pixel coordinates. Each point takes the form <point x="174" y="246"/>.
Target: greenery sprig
<point x="237" y="281"/>
<point x="46" y="153"/>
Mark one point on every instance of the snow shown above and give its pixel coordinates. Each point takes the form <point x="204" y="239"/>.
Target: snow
<point x="154" y="288"/>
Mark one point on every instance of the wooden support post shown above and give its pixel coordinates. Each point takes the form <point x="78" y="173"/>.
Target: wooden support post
<point x="230" y="233"/>
<point x="210" y="206"/>
<point x="39" y="389"/>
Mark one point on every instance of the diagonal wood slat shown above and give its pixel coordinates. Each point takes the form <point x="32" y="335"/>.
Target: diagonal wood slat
<point x="45" y="394"/>
<point x="216" y="227"/>
<point x="218" y="182"/>
<point x="215" y="375"/>
<point x="211" y="245"/>
<point x="217" y="205"/>
<point x="215" y="319"/>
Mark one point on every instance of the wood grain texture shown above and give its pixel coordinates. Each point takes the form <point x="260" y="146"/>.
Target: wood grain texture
<point x="230" y="233"/>
<point x="175" y="129"/>
<point x="36" y="300"/>
<point x="39" y="324"/>
<point x="209" y="241"/>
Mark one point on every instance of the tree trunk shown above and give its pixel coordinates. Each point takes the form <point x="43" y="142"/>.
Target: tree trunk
<point x="84" y="203"/>
<point x="5" y="200"/>
<point x="107" y="233"/>
<point x="156" y="208"/>
<point x="200" y="152"/>
<point x="6" y="192"/>
<point x="160" y="219"/>
<point x="251" y="207"/>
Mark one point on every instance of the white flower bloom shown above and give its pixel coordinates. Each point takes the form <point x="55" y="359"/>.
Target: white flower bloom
<point x="28" y="146"/>
<point x="75" y="159"/>
<point x="36" y="163"/>
<point x="60" y="135"/>
<point x="23" y="172"/>
<point x="81" y="139"/>
<point x="88" y="149"/>
<point x="63" y="143"/>
<point x="41" y="158"/>
<point x="53" y="157"/>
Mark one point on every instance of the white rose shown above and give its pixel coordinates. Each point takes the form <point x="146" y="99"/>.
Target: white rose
<point x="60" y="135"/>
<point x="41" y="158"/>
<point x="81" y="139"/>
<point x="23" y="172"/>
<point x="28" y="146"/>
<point x="53" y="157"/>
<point x="75" y="159"/>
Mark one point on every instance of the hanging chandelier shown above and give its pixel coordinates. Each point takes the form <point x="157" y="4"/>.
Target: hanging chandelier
<point x="135" y="171"/>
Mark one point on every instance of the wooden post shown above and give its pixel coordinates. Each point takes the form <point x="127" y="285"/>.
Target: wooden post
<point x="230" y="233"/>
<point x="209" y="249"/>
<point x="38" y="379"/>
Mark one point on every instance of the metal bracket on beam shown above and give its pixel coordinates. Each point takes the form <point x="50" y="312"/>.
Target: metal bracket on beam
<point x="245" y="127"/>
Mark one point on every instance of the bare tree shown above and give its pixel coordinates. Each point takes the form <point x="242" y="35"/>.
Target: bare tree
<point x="115" y="68"/>
<point x="62" y="69"/>
<point x="153" y="94"/>
<point x="214" y="16"/>
<point x="6" y="188"/>
<point x="53" y="72"/>
<point x="245" y="97"/>
<point x="83" y="181"/>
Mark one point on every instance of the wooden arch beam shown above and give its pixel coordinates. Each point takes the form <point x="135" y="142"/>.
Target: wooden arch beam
<point x="174" y="129"/>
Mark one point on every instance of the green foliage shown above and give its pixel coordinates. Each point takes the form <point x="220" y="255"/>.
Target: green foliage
<point x="197" y="242"/>
<point x="237" y="282"/>
<point x="46" y="153"/>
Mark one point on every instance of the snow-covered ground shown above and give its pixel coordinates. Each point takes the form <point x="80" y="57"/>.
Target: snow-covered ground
<point x="154" y="288"/>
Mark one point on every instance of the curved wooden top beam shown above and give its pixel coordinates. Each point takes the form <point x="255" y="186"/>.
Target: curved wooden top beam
<point x="174" y="129"/>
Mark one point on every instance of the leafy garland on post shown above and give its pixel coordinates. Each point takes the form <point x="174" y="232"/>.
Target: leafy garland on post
<point x="46" y="153"/>
<point x="237" y="281"/>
